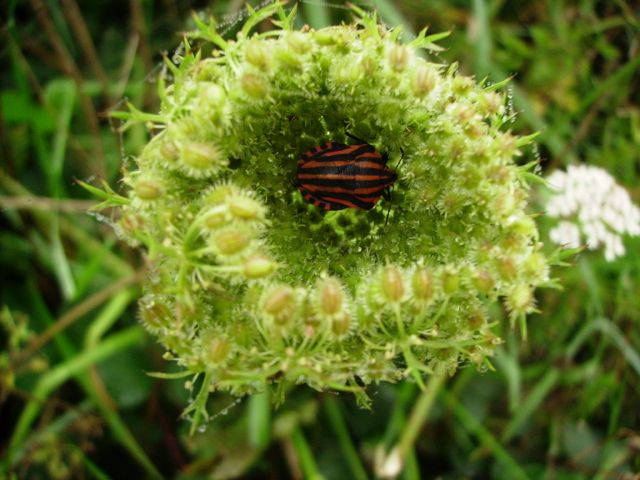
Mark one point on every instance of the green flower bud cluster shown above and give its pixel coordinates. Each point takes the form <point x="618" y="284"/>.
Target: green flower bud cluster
<point x="251" y="285"/>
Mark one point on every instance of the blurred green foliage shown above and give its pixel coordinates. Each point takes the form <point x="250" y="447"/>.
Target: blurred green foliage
<point x="74" y="397"/>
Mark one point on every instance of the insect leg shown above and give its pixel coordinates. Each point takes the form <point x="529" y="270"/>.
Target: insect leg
<point x="355" y="138"/>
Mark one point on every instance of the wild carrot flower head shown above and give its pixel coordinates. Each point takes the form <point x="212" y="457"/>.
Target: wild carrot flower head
<point x="252" y="285"/>
<point x="592" y="208"/>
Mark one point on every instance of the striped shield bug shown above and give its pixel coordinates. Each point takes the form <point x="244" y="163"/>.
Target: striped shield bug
<point x="335" y="176"/>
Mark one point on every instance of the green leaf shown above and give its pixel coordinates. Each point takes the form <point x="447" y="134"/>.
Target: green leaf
<point x="498" y="85"/>
<point x="134" y="116"/>
<point x="170" y="376"/>
<point x="18" y="108"/>
<point x="124" y="376"/>
<point x="531" y="404"/>
<point x="257" y="16"/>
<point x="207" y="31"/>
<point x="110" y="197"/>
<point x="527" y="139"/>
<point x="286" y="21"/>
<point x="428" y="42"/>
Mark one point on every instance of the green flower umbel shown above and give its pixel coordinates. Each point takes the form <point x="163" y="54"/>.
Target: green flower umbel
<point x="252" y="285"/>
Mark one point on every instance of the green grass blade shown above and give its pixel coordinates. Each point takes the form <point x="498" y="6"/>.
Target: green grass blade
<point x="305" y="456"/>
<point x="531" y="403"/>
<point x="69" y="229"/>
<point x="339" y="426"/>
<point x="122" y="433"/>
<point x="259" y="424"/>
<point x="510" y="466"/>
<point x="109" y="314"/>
<point x="610" y="83"/>
<point x="316" y="14"/>
<point x="508" y="365"/>
<point x="60" y="263"/>
<point x="481" y="39"/>
<point x="607" y="327"/>
<point x="53" y="428"/>
<point x="61" y="94"/>
<point x="94" y="470"/>
<point x="398" y="418"/>
<point x="92" y="267"/>
<point x="62" y="372"/>
<point x="392" y="16"/>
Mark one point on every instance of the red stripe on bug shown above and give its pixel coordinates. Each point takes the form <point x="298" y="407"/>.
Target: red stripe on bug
<point x="339" y="176"/>
<point x="341" y="163"/>
<point x="348" y="190"/>
<point x="341" y="201"/>
<point x="343" y="151"/>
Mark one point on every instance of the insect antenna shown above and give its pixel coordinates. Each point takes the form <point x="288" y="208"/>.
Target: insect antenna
<point x="401" y="159"/>
<point x="355" y="138"/>
<point x="386" y="219"/>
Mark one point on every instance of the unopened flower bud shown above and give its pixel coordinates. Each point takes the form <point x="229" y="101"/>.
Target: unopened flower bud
<point x="500" y="174"/>
<point x="278" y="300"/>
<point x="259" y="266"/>
<point x="245" y="208"/>
<point x="218" y="350"/>
<point x="348" y="74"/>
<point x="398" y="57"/>
<point x="187" y="127"/>
<point x="324" y="37"/>
<point x="425" y="80"/>
<point x="491" y="103"/>
<point x="253" y="85"/>
<point x="464" y="114"/>
<point x="524" y="226"/>
<point x="476" y="320"/>
<point x="229" y="242"/>
<point x="168" y="151"/>
<point x="155" y="314"/>
<point x="507" y="268"/>
<point x="450" y="281"/>
<point x="215" y="218"/>
<point x="484" y="282"/>
<point x="507" y="145"/>
<point x="330" y="296"/>
<point x="520" y="300"/>
<point x="257" y="54"/>
<point x="462" y="85"/>
<point x="504" y="205"/>
<point x="367" y="65"/>
<point x="298" y="42"/>
<point x="536" y="265"/>
<point x="219" y="194"/>
<point x="148" y="188"/>
<point x="422" y="283"/>
<point x="452" y="203"/>
<point x="340" y="324"/>
<point x="476" y="356"/>
<point x="279" y="303"/>
<point x="392" y="284"/>
<point x="213" y="94"/>
<point x="200" y="157"/>
<point x="288" y="59"/>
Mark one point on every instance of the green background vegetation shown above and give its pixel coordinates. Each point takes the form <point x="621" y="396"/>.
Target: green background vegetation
<point x="75" y="399"/>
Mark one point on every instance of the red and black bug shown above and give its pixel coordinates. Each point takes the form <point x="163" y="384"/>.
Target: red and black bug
<point x="335" y="176"/>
